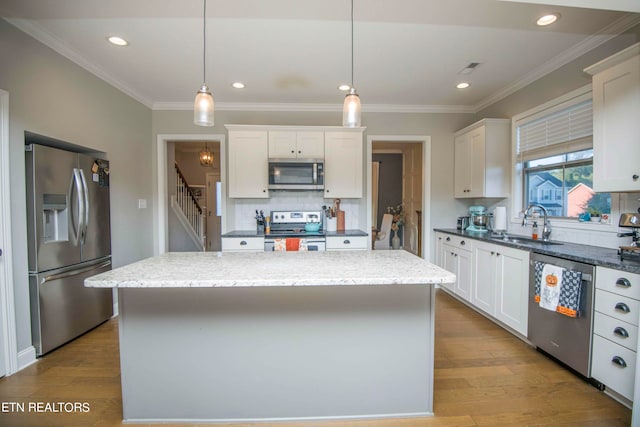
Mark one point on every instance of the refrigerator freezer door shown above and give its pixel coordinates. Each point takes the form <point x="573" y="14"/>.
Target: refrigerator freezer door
<point x="52" y="208"/>
<point x="62" y="308"/>
<point x="96" y="236"/>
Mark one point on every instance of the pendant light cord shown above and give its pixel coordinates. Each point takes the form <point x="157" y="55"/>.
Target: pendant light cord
<point x="204" y="44"/>
<point x="351" y="44"/>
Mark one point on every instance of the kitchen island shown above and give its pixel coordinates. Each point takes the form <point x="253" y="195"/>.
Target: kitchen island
<point x="237" y="337"/>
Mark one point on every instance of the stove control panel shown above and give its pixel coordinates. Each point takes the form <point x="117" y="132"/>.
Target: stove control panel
<point x="295" y="217"/>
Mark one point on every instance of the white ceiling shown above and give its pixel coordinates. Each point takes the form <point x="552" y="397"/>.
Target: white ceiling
<point x="292" y="54"/>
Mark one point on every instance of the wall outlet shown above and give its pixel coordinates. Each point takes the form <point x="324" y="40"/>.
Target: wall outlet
<point x="142" y="203"/>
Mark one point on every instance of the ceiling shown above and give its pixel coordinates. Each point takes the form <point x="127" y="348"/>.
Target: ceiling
<point x="292" y="54"/>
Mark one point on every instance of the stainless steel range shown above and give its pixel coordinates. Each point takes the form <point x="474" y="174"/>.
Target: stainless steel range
<point x="305" y="225"/>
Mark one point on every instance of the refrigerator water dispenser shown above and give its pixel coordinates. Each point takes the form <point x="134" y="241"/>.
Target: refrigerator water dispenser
<point x="55" y="225"/>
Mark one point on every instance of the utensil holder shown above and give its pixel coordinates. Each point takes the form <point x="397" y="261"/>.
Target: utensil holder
<point x="332" y="224"/>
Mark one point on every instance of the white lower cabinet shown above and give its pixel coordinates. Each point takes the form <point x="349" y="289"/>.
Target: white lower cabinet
<point x="456" y="258"/>
<point x="242" y="244"/>
<point x="347" y="243"/>
<point x="501" y="283"/>
<point x="492" y="278"/>
<point x="615" y="330"/>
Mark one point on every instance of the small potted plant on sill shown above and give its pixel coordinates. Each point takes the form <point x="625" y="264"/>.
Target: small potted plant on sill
<point x="595" y="214"/>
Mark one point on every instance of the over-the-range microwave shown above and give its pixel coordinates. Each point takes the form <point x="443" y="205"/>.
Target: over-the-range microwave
<point x="296" y="174"/>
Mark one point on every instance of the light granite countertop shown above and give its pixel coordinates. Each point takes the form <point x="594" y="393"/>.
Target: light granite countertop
<point x="237" y="269"/>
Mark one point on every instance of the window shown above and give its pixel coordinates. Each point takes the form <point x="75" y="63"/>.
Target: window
<point x="555" y="156"/>
<point x="562" y="184"/>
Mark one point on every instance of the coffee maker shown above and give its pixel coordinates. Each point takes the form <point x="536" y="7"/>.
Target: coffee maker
<point x="478" y="219"/>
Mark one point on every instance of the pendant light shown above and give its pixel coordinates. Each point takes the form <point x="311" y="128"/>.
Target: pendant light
<point x="203" y="106"/>
<point x="206" y="156"/>
<point x="352" y="110"/>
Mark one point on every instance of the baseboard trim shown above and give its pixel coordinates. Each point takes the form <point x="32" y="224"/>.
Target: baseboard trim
<point x="26" y="357"/>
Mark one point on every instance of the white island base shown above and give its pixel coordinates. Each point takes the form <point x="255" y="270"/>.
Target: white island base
<point x="272" y="353"/>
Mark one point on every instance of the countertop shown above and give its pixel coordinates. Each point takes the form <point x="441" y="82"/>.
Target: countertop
<point x="254" y="233"/>
<point x="594" y="255"/>
<point x="234" y="269"/>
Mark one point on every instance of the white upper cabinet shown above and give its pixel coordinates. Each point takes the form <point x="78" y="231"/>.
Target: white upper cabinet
<point x="482" y="159"/>
<point x="248" y="164"/>
<point x="616" y="122"/>
<point x="296" y="145"/>
<point x="343" y="167"/>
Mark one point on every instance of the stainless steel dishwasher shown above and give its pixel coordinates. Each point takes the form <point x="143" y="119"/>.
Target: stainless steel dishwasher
<point x="567" y="339"/>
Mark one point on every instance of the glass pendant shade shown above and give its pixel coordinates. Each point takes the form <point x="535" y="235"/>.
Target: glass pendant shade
<point x="203" y="107"/>
<point x="206" y="157"/>
<point x="351" y="111"/>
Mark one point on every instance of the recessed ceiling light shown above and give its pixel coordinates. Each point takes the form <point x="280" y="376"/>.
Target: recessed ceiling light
<point x="344" y="88"/>
<point x="118" y="41"/>
<point x="238" y="85"/>
<point x="547" y="19"/>
<point x="463" y="85"/>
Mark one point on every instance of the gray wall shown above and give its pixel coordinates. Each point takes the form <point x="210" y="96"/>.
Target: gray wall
<point x="389" y="182"/>
<point x="52" y="96"/>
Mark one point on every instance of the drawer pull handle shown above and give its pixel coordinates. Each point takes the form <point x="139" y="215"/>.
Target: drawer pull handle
<point x="243" y="243"/>
<point x="623" y="283"/>
<point x="462" y="243"/>
<point x="623" y="307"/>
<point x="347" y="242"/>
<point x="619" y="361"/>
<point x="622" y="332"/>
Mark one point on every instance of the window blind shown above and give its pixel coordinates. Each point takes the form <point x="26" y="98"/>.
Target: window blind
<point x="569" y="129"/>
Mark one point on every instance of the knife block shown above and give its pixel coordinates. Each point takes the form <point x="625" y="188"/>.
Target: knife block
<point x="340" y="224"/>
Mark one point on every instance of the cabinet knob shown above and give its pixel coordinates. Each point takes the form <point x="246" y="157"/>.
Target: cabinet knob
<point x="619" y="361"/>
<point x="623" y="282"/>
<point x="264" y="191"/>
<point x="621" y="332"/>
<point x="622" y="307"/>
<point x="497" y="253"/>
<point x="327" y="191"/>
<point x="299" y="151"/>
<point x="635" y="177"/>
<point x="292" y="151"/>
<point x="462" y="243"/>
<point x="448" y="239"/>
<point x="493" y="253"/>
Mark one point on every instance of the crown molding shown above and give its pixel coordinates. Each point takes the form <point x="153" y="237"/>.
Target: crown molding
<point x="45" y="37"/>
<point x="330" y="108"/>
<point x="604" y="35"/>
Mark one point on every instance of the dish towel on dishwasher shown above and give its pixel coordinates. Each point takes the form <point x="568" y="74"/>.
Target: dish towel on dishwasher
<point x="570" y="292"/>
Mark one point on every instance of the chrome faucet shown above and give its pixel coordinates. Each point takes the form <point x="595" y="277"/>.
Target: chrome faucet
<point x="546" y="229"/>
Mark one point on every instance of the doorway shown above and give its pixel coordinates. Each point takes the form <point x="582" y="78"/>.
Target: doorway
<point x="213" y="212"/>
<point x="414" y="154"/>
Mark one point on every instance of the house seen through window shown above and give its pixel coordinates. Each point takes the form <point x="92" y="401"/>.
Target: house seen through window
<point x="563" y="185"/>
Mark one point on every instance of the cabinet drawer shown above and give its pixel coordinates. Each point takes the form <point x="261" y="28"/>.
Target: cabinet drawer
<point x="615" y="330"/>
<point x="458" y="241"/>
<point x="237" y="244"/>
<point x="604" y="368"/>
<point x="620" y="307"/>
<point x="337" y="243"/>
<point x="618" y="281"/>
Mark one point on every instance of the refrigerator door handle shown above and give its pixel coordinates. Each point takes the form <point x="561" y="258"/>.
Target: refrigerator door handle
<point x="75" y="272"/>
<point x="75" y="225"/>
<point x="85" y="196"/>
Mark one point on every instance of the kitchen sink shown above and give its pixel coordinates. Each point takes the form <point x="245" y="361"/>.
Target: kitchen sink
<point x="522" y="239"/>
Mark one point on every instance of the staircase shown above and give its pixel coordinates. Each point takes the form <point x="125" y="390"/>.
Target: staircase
<point x="188" y="210"/>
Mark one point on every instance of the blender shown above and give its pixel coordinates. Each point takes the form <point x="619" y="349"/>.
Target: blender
<point x="478" y="219"/>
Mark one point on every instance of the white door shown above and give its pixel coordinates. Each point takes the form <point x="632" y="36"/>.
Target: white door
<point x="213" y="217"/>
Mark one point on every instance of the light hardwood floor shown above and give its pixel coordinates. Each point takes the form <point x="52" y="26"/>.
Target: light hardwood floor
<point x="483" y="377"/>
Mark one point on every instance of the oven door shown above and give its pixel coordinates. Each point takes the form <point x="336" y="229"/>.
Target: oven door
<point x="316" y="245"/>
<point x="296" y="175"/>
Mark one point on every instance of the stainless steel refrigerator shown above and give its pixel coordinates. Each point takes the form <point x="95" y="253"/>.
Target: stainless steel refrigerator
<point x="68" y="226"/>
